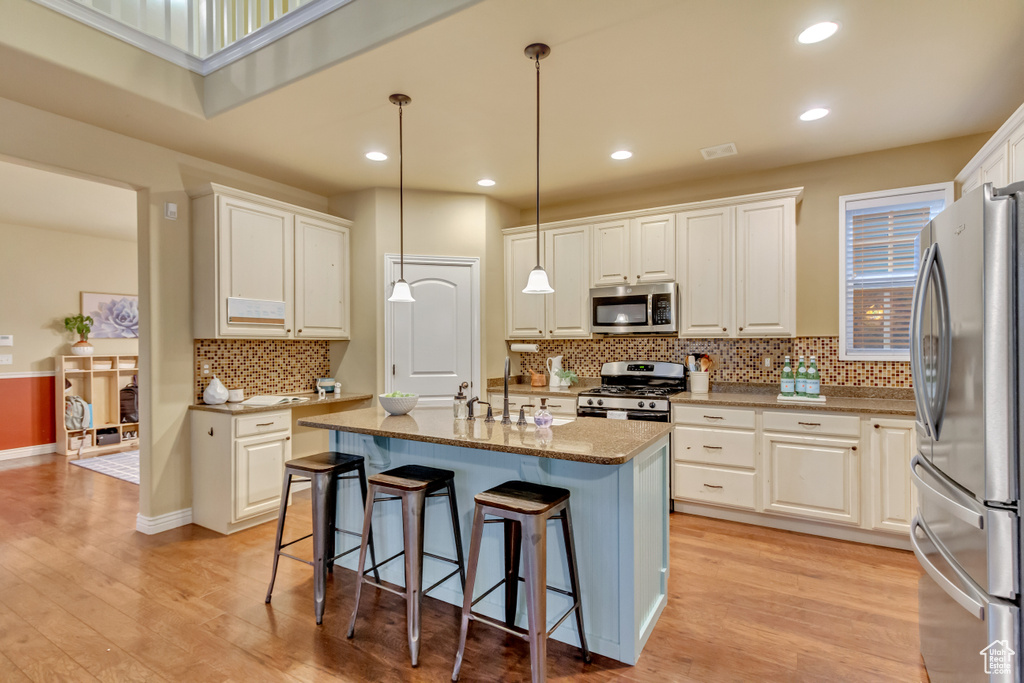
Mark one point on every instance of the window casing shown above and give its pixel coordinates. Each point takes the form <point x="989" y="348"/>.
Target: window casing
<point x="879" y="255"/>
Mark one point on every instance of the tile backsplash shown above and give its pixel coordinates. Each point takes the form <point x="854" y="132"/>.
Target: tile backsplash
<point x="261" y="366"/>
<point x="738" y="360"/>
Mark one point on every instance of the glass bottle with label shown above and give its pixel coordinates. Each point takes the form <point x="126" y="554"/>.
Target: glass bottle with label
<point x="813" y="380"/>
<point x="543" y="417"/>
<point x="788" y="385"/>
<point x="801" y="378"/>
<point x="459" y="406"/>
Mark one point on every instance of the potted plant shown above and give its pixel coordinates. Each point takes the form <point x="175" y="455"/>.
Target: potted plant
<point x="82" y="326"/>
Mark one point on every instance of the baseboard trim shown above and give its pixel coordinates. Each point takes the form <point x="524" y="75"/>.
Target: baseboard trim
<point x="28" y="451"/>
<point x="161" y="523"/>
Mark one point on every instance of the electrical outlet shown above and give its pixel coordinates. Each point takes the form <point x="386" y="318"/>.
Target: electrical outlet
<point x="767" y="361"/>
<point x="7" y="359"/>
<point x="206" y="368"/>
<point x="6" y="340"/>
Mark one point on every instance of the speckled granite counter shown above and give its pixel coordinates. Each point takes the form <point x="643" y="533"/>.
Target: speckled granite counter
<point x="314" y="400"/>
<point x="590" y="440"/>
<point x="834" y="404"/>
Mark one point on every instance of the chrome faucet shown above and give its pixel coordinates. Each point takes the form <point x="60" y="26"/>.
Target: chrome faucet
<point x="506" y="419"/>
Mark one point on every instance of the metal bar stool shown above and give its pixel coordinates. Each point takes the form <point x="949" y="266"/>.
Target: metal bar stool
<point x="524" y="509"/>
<point x="324" y="471"/>
<point x="411" y="484"/>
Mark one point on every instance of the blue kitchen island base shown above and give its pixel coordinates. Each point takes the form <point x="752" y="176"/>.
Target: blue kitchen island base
<point x="620" y="519"/>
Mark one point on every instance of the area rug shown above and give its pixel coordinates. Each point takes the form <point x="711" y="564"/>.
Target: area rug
<point x="119" y="465"/>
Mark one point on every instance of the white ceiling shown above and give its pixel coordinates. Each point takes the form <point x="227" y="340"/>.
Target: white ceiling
<point x="41" y="199"/>
<point x="662" y="78"/>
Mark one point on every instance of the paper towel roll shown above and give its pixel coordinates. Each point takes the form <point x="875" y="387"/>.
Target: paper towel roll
<point x="524" y="348"/>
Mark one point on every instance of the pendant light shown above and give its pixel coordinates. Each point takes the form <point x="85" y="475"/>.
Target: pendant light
<point x="401" y="292"/>
<point x="538" y="282"/>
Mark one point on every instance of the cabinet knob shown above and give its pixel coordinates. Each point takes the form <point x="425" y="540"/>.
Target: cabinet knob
<point x="550" y="332"/>
<point x="288" y="331"/>
<point x="878" y="426"/>
<point x="625" y="277"/>
<point x="725" y="329"/>
<point x="300" y="330"/>
<point x="741" y="329"/>
<point x="288" y="438"/>
<point x="854" y="448"/>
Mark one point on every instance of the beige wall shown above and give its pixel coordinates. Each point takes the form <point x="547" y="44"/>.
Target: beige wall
<point x="817" y="215"/>
<point x="159" y="175"/>
<point x="436" y="224"/>
<point x="42" y="273"/>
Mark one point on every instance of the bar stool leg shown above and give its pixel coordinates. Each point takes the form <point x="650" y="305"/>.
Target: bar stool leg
<point x="574" y="579"/>
<point x="367" y="519"/>
<point x="362" y="487"/>
<point x="331" y="517"/>
<point x="467" y="592"/>
<point x="535" y="556"/>
<point x="286" y="489"/>
<point x="513" y="548"/>
<point x="413" y="506"/>
<point x="453" y="506"/>
<point x="319" y="484"/>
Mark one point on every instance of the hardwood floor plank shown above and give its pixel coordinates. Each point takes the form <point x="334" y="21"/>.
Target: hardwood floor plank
<point x="37" y="657"/>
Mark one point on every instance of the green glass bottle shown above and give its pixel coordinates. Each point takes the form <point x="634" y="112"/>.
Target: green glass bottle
<point x="813" y="380"/>
<point x="801" y="378"/>
<point x="788" y="385"/>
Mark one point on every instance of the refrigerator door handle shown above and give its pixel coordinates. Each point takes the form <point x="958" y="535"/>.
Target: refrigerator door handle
<point x="974" y="599"/>
<point x="916" y="323"/>
<point x="958" y="503"/>
<point x="945" y="368"/>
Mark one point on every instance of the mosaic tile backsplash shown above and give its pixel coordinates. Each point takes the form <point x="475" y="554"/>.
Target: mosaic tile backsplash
<point x="737" y="360"/>
<point x="261" y="366"/>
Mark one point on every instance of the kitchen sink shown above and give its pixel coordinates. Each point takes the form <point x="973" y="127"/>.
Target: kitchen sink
<point x="556" y="421"/>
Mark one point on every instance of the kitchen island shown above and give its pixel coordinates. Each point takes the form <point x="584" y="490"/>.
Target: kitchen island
<point x="617" y="472"/>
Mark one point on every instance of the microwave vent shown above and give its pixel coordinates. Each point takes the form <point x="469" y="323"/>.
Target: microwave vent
<point x="719" y="151"/>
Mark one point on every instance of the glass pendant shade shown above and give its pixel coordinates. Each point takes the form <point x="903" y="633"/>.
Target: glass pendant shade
<point x="538" y="282"/>
<point x="403" y="295"/>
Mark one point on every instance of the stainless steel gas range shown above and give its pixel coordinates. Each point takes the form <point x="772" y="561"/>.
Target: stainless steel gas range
<point x="634" y="390"/>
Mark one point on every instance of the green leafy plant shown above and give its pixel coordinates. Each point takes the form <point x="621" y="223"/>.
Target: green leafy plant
<point x="569" y="375"/>
<point x="80" y="325"/>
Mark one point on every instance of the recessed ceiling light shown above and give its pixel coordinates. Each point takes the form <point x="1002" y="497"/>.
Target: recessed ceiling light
<point x="814" y="114"/>
<point x="621" y="154"/>
<point x="818" y="32"/>
<point x="485" y="182"/>
<point x="376" y="156"/>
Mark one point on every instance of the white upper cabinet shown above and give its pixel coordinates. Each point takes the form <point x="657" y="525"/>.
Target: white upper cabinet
<point x="611" y="263"/>
<point x="524" y="313"/>
<point x="704" y="243"/>
<point x="1000" y="161"/>
<point x="264" y="269"/>
<point x="995" y="168"/>
<point x="567" y="260"/>
<point x="1015" y="155"/>
<point x="766" y="268"/>
<point x="652" y="248"/>
<point x="321" y="279"/>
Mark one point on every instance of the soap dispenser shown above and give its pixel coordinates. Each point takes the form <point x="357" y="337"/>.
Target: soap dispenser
<point x="542" y="418"/>
<point x="459" y="405"/>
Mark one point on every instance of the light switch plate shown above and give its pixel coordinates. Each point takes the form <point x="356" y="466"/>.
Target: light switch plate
<point x="7" y="359"/>
<point x="767" y="361"/>
<point x="6" y="340"/>
<point x="170" y="211"/>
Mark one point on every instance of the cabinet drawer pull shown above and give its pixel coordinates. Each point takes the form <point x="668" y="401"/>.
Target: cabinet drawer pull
<point x="554" y="405"/>
<point x="713" y="417"/>
<point x="809" y="424"/>
<point x="265" y="424"/>
<point x="712" y="486"/>
<point x="713" y="448"/>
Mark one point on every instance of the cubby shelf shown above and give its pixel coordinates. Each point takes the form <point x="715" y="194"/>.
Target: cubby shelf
<point x="100" y="387"/>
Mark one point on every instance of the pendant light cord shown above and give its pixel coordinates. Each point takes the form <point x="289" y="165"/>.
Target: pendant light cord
<point x="401" y="199"/>
<point x="538" y="160"/>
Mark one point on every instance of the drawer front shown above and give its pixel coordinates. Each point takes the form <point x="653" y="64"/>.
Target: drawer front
<point x="263" y="423"/>
<point x="702" y="484"/>
<point x="730" y="447"/>
<point x="561" y="405"/>
<point x="714" y="417"/>
<point x="812" y="423"/>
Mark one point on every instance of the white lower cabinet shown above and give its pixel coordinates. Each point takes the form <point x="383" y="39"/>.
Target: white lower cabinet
<point x="238" y="467"/>
<point x="832" y="474"/>
<point x="562" y="406"/>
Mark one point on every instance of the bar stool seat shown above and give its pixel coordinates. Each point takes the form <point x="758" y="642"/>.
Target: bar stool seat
<point x="524" y="508"/>
<point x="412" y="485"/>
<point x="323" y="471"/>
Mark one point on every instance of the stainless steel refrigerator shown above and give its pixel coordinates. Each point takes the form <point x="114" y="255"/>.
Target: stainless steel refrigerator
<point x="964" y="358"/>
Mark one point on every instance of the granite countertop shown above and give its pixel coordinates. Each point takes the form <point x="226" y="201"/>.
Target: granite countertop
<point x="314" y="400"/>
<point x="552" y="392"/>
<point x="864" y="405"/>
<point x="587" y="439"/>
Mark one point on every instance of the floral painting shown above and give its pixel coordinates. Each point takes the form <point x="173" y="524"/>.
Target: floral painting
<point x="115" y="316"/>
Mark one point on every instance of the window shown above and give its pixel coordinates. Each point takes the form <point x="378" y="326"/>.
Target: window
<point x="879" y="253"/>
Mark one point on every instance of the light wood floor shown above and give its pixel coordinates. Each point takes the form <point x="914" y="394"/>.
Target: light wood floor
<point x="84" y="597"/>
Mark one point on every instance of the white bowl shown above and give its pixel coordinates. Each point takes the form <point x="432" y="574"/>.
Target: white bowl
<point x="398" y="405"/>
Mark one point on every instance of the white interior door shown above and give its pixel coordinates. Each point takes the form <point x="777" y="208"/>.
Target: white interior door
<point x="433" y="344"/>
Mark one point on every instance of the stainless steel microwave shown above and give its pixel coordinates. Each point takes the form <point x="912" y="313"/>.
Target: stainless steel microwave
<point x="635" y="309"/>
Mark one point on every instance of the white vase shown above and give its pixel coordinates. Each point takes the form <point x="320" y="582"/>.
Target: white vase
<point x="216" y="393"/>
<point x="82" y="348"/>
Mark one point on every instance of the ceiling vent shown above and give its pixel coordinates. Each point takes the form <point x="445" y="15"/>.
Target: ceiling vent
<point x="718" y="151"/>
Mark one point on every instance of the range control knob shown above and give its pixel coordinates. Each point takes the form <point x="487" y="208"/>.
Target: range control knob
<point x="600" y="402"/>
<point x="651" y="404"/>
<point x="640" y="404"/>
<point x="590" y="401"/>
